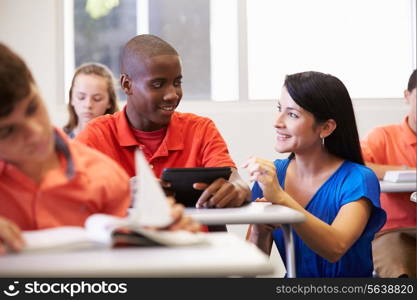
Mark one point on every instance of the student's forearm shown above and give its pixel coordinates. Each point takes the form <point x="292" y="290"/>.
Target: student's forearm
<point x="261" y="236"/>
<point x="381" y="169"/>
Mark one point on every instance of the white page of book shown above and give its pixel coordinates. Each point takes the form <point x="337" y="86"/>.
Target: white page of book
<point x="150" y="205"/>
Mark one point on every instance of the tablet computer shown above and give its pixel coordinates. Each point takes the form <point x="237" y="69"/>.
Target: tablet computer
<point x="182" y="180"/>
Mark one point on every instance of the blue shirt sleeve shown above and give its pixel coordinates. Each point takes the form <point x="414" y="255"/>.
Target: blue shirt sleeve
<point x="363" y="183"/>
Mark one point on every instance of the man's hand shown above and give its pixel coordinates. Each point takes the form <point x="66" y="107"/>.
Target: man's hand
<point x="223" y="193"/>
<point x="10" y="236"/>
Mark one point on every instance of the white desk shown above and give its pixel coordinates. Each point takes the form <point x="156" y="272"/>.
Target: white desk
<point x="254" y="213"/>
<point x="397" y="187"/>
<point x="226" y="255"/>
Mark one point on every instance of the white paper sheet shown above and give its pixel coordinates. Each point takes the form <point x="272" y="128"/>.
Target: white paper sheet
<point x="150" y="205"/>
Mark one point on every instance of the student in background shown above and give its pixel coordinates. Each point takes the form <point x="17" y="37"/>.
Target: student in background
<point x="92" y="94"/>
<point x="47" y="180"/>
<point x="393" y="147"/>
<point x="324" y="178"/>
<point x="151" y="79"/>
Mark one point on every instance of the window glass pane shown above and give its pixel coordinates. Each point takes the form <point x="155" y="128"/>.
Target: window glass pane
<point x="204" y="32"/>
<point x="185" y="24"/>
<point x="367" y="44"/>
<point x="101" y="39"/>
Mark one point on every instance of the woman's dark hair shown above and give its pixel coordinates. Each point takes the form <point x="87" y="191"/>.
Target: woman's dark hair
<point x="326" y="97"/>
<point x="98" y="70"/>
<point x="15" y="80"/>
<point x="412" y="81"/>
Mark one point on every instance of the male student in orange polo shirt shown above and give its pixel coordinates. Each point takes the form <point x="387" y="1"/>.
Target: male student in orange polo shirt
<point x="46" y="180"/>
<point x="393" y="147"/>
<point x="151" y="79"/>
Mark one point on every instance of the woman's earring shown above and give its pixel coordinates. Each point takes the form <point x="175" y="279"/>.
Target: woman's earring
<point x="322" y="141"/>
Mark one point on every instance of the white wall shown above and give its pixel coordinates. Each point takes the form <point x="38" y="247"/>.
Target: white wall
<point x="34" y="29"/>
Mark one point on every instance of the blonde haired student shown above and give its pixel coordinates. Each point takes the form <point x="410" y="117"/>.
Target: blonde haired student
<point x="92" y="94"/>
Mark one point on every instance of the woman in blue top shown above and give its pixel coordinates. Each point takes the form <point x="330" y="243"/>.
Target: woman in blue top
<point x="324" y="178"/>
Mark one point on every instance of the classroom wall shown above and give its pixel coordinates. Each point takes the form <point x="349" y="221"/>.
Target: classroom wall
<point x="34" y="29"/>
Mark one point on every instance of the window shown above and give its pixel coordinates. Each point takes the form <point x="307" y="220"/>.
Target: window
<point x="242" y="49"/>
<point x="100" y="34"/>
<point x="367" y="44"/>
<point x="186" y="26"/>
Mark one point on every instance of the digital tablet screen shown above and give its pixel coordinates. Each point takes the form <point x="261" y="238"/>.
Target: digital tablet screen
<point x="182" y="180"/>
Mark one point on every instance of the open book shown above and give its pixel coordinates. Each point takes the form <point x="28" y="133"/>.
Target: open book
<point x="401" y="176"/>
<point x="150" y="209"/>
<point x="104" y="231"/>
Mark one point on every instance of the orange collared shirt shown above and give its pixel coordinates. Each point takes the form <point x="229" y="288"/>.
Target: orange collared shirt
<point x="87" y="182"/>
<point x="393" y="145"/>
<point x="190" y="141"/>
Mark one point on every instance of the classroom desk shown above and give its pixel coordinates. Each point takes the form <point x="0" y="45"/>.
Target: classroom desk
<point x="255" y="213"/>
<point x="225" y="255"/>
<point x="397" y="187"/>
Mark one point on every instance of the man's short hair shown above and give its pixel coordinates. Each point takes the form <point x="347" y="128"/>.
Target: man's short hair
<point x="140" y="48"/>
<point x="412" y="82"/>
<point x="15" y="80"/>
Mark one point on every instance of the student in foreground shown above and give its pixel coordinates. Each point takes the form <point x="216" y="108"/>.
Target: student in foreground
<point x="386" y="148"/>
<point x="151" y="79"/>
<point x="324" y="178"/>
<point x="47" y="180"/>
<point x="92" y="94"/>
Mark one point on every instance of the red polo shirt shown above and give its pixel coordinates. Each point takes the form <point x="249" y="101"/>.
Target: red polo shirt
<point x="190" y="141"/>
<point x="86" y="182"/>
<point x="393" y="145"/>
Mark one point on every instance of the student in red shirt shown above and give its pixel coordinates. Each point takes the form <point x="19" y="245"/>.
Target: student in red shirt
<point x="393" y="147"/>
<point x="151" y="79"/>
<point x="47" y="180"/>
